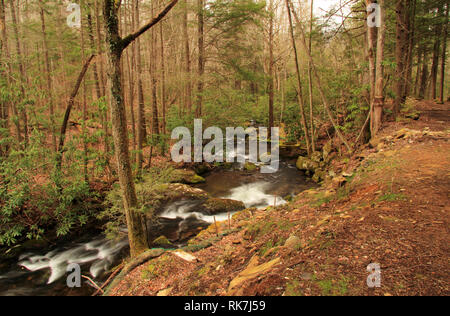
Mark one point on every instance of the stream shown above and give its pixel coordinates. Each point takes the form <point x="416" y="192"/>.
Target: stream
<point x="43" y="271"/>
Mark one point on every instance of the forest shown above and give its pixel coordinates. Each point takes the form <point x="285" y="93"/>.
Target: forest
<point x="354" y="97"/>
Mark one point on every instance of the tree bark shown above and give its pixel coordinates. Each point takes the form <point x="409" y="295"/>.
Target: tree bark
<point x="435" y="59"/>
<point x="401" y="52"/>
<point x="271" y="72"/>
<point x="299" y="82"/>
<point x="318" y="82"/>
<point x="48" y="74"/>
<point x="310" y="83"/>
<point x="23" y="111"/>
<point x="201" y="56"/>
<point x="378" y="101"/>
<point x="187" y="57"/>
<point x="137" y="232"/>
<point x="62" y="134"/>
<point x="443" y="57"/>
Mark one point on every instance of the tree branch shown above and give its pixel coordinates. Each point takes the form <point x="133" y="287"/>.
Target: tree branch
<point x="130" y="38"/>
<point x="70" y="103"/>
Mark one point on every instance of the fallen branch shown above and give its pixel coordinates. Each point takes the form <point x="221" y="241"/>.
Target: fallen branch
<point x="92" y="283"/>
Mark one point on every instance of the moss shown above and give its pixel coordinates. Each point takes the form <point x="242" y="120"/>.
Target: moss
<point x="162" y="241"/>
<point x="293" y="288"/>
<point x="215" y="206"/>
<point x="186" y="176"/>
<point x="250" y="166"/>
<point x="334" y="287"/>
<point x="391" y="197"/>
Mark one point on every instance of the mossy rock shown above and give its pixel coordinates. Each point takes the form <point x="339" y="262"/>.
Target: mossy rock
<point x="316" y="156"/>
<point x="250" y="166"/>
<point x="306" y="164"/>
<point x="186" y="176"/>
<point x="162" y="194"/>
<point x="162" y="241"/>
<point x="214" y="206"/>
<point x="319" y="175"/>
<point x="202" y="168"/>
<point x="326" y="150"/>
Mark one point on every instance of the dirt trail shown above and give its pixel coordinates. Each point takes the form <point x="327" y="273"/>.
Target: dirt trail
<point x="393" y="210"/>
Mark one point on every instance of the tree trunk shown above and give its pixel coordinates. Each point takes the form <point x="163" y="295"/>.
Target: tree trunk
<point x="136" y="232"/>
<point x="424" y="77"/>
<point x="271" y="72"/>
<point x="299" y="82"/>
<point x="318" y="82"/>
<point x="4" y="60"/>
<point x="419" y="63"/>
<point x="163" y="81"/>
<point x="23" y="111"/>
<point x="411" y="44"/>
<point x="435" y="59"/>
<point x="443" y="57"/>
<point x="62" y="134"/>
<point x="187" y="57"/>
<point x="141" y="124"/>
<point x="310" y="83"/>
<point x="201" y="56"/>
<point x="401" y="52"/>
<point x="378" y="101"/>
<point x="48" y="74"/>
<point x="371" y="44"/>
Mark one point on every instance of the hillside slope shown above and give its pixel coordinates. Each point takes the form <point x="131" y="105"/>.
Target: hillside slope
<point x="392" y="209"/>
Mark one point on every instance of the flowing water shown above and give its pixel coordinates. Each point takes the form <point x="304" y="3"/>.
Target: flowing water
<point x="44" y="272"/>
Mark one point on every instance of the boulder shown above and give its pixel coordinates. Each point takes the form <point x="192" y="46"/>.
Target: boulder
<point x="162" y="241"/>
<point x="319" y="175"/>
<point x="213" y="206"/>
<point x="316" y="156"/>
<point x="306" y="164"/>
<point x="186" y="176"/>
<point x="248" y="166"/>
<point x="326" y="150"/>
<point x="338" y="182"/>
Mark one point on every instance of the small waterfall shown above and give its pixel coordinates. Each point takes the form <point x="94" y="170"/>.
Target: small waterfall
<point x="254" y="195"/>
<point x="100" y="252"/>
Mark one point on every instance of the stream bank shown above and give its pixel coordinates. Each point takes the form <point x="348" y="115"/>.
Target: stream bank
<point x="224" y="191"/>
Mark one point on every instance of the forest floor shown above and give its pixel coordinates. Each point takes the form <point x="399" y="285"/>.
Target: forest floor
<point x="393" y="210"/>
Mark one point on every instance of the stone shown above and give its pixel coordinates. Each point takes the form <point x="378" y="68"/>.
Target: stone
<point x="213" y="206"/>
<point x="326" y="150"/>
<point x="248" y="166"/>
<point x="319" y="175"/>
<point x="162" y="241"/>
<point x="186" y="176"/>
<point x="338" y="182"/>
<point x="306" y="164"/>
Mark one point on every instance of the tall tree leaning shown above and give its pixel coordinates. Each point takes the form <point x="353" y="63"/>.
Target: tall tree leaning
<point x="378" y="98"/>
<point x="137" y="233"/>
